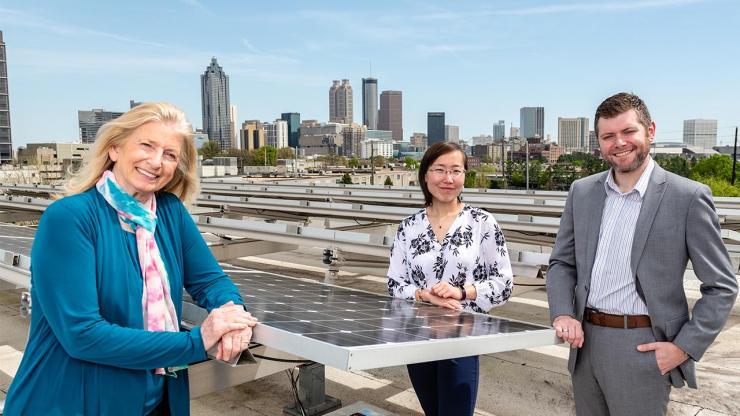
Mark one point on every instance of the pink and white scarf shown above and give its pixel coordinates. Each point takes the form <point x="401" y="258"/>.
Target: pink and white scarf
<point x="156" y="302"/>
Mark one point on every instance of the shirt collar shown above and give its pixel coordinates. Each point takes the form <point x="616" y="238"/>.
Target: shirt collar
<point x="640" y="186"/>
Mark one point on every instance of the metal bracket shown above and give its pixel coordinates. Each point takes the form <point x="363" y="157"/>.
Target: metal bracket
<point x="312" y="393"/>
<point x="333" y="259"/>
<point x="25" y="307"/>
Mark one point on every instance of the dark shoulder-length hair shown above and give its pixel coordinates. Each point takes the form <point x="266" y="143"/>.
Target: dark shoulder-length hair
<point x="430" y="156"/>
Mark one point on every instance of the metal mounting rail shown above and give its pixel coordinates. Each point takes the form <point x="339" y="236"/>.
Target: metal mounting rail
<point x="508" y="222"/>
<point x="351" y="242"/>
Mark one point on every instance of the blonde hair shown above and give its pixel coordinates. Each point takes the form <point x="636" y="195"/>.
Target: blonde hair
<point x="184" y="184"/>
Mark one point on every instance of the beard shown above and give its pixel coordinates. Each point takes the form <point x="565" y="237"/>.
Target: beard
<point x="642" y="154"/>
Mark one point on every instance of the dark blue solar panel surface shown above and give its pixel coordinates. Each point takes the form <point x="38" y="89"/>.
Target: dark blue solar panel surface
<point x="350" y="318"/>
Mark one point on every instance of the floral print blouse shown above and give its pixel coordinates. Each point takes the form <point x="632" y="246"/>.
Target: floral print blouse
<point x="472" y="252"/>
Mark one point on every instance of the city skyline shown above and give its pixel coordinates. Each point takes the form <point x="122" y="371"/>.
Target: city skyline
<point x="562" y="56"/>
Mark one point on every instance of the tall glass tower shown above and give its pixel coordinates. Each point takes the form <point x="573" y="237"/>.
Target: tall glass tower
<point x="370" y="103"/>
<point x="214" y="92"/>
<point x="6" y="144"/>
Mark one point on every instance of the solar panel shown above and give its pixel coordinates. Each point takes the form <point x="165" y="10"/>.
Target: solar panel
<point x="354" y="330"/>
<point x="345" y="328"/>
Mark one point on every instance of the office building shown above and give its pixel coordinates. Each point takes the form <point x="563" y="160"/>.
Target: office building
<point x="215" y="103"/>
<point x="6" y="142"/>
<point x="390" y="116"/>
<point x="200" y="137"/>
<point x="514" y="132"/>
<point x="481" y="140"/>
<point x="321" y="138"/>
<point x="376" y="147"/>
<point x="370" y="103"/>
<point x="276" y="134"/>
<point x="499" y="130"/>
<point x="134" y="103"/>
<point x="532" y="122"/>
<point x="234" y="126"/>
<point x="91" y="121"/>
<point x="352" y="136"/>
<point x="452" y="134"/>
<point x="435" y="127"/>
<point x="419" y="140"/>
<point x="294" y="126"/>
<point x="340" y="102"/>
<point x="701" y="133"/>
<point x="593" y="141"/>
<point x="573" y="133"/>
<point x="252" y="135"/>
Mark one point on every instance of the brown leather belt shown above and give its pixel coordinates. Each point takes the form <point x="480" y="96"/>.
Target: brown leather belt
<point x="617" y="321"/>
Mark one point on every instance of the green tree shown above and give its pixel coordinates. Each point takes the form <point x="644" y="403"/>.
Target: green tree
<point x="476" y="178"/>
<point x="378" y="161"/>
<point x="210" y="149"/>
<point x="719" y="187"/>
<point x="346" y="179"/>
<point x="410" y="163"/>
<point x="591" y="164"/>
<point x="486" y="159"/>
<point x="333" y="160"/>
<point x="388" y="181"/>
<point x="285" y="153"/>
<point x="676" y="164"/>
<point x="353" y="163"/>
<point x="258" y="156"/>
<point x="716" y="166"/>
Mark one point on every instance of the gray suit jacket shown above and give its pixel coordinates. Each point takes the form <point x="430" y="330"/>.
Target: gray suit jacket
<point x="677" y="223"/>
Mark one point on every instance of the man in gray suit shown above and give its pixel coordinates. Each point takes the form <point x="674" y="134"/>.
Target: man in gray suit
<point x="615" y="281"/>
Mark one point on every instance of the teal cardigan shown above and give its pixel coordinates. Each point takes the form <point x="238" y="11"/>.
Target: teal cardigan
<point x="87" y="352"/>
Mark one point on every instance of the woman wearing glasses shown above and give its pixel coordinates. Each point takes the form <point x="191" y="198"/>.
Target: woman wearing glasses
<point x="454" y="256"/>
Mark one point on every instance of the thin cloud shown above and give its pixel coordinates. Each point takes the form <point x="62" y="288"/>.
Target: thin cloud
<point x="432" y="49"/>
<point x="604" y="7"/>
<point x="9" y="17"/>
<point x="249" y="46"/>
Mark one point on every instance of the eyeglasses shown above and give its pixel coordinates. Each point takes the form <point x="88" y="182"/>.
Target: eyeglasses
<point x="439" y="172"/>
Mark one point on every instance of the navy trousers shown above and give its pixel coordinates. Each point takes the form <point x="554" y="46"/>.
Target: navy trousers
<point x="446" y="387"/>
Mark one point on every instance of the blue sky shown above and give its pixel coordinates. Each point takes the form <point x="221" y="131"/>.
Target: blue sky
<point x="479" y="61"/>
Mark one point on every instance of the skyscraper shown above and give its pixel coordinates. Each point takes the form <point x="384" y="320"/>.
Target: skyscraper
<point x="699" y="132"/>
<point x="91" y="121"/>
<point x="452" y="133"/>
<point x="593" y="141"/>
<point x="370" y="103"/>
<point x="499" y="130"/>
<point x="252" y="135"/>
<point x="214" y="93"/>
<point x="340" y="102"/>
<point x="532" y="122"/>
<point x="390" y="116"/>
<point x="276" y="134"/>
<point x="234" y="125"/>
<point x="294" y="125"/>
<point x="435" y="127"/>
<point x="6" y="144"/>
<point x="573" y="133"/>
<point x="352" y="136"/>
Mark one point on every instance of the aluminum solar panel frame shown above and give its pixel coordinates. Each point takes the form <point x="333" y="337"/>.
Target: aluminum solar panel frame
<point x="355" y="330"/>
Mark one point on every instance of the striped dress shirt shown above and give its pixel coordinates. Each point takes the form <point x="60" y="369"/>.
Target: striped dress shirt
<point x="613" y="287"/>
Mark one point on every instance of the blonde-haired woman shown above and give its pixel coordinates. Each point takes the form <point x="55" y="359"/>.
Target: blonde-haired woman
<point x="108" y="265"/>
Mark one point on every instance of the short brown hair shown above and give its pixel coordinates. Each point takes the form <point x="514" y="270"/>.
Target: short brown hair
<point x="618" y="104"/>
<point x="432" y="154"/>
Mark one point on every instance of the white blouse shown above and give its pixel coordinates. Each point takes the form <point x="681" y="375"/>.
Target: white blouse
<point x="472" y="252"/>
